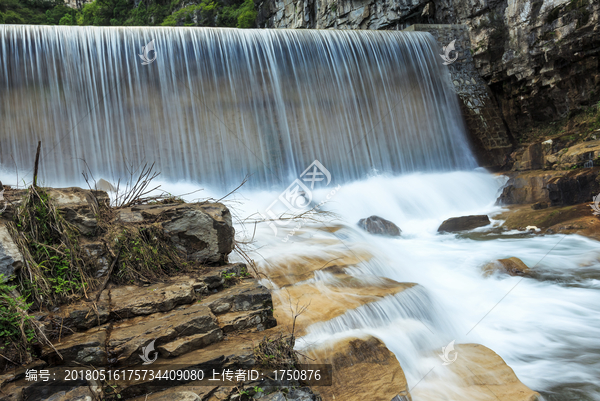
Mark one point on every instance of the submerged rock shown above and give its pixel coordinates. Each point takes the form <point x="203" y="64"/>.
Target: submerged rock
<point x="379" y="226"/>
<point x="513" y="266"/>
<point x="463" y="223"/>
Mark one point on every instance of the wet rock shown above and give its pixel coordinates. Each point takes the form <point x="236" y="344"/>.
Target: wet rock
<point x="532" y="159"/>
<point x="135" y="301"/>
<point x="202" y="233"/>
<point x="247" y="320"/>
<point x="10" y="258"/>
<point x="362" y="367"/>
<point x="575" y="187"/>
<point x="463" y="223"/>
<point x="527" y="187"/>
<point x="513" y="266"/>
<point x="85" y="315"/>
<point x="87" y="348"/>
<point x="379" y="226"/>
<point x="183" y="345"/>
<point x="214" y="278"/>
<point x="128" y="337"/>
<point x="246" y="296"/>
<point x="539" y="205"/>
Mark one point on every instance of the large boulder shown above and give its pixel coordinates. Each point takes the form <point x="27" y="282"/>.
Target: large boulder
<point x="455" y="224"/>
<point x="201" y="232"/>
<point x="379" y="226"/>
<point x="512" y="266"/>
<point x="10" y="257"/>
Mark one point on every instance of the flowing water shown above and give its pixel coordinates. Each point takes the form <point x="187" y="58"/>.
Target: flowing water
<point x="376" y="109"/>
<point x="218" y="104"/>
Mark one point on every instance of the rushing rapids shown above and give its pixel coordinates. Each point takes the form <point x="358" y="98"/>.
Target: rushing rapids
<point x="218" y="104"/>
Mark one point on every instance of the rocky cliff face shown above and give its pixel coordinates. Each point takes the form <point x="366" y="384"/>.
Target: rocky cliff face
<point x="540" y="57"/>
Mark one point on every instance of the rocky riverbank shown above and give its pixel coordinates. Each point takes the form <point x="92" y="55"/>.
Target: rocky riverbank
<point x="192" y="308"/>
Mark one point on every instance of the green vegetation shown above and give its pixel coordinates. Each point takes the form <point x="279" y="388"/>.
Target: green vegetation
<point x="213" y="13"/>
<point x="49" y="244"/>
<point x="15" y="325"/>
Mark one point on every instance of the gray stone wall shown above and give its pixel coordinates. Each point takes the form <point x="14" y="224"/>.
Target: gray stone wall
<point x="488" y="133"/>
<point x="541" y="58"/>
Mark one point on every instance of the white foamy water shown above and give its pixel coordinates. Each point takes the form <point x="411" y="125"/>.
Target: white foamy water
<point x="546" y="328"/>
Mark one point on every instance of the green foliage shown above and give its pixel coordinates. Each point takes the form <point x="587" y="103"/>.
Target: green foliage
<point x="13" y="316"/>
<point x="50" y="245"/>
<point x="214" y="13"/>
<point x="145" y="254"/>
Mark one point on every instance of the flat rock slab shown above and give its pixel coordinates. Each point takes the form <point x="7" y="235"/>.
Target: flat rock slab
<point x="136" y="301"/>
<point x="245" y="296"/>
<point x="464" y="223"/>
<point x="86" y="348"/>
<point x="479" y="374"/>
<point x="127" y="338"/>
<point x="84" y="315"/>
<point x="232" y="350"/>
<point x="247" y="320"/>
<point x="325" y="302"/>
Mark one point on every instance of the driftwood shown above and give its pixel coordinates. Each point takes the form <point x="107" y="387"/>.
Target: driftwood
<point x="36" y="165"/>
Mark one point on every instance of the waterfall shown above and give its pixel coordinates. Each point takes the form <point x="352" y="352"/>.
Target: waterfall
<point x="219" y="104"/>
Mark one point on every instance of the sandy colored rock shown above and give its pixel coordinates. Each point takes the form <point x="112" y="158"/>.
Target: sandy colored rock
<point x="512" y="266"/>
<point x="478" y="374"/>
<point x="325" y="302"/>
<point x="363" y="369"/>
<point x="576" y="219"/>
<point x="295" y="268"/>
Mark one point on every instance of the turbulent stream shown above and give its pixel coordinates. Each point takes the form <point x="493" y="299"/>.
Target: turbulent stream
<point x="376" y="109"/>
